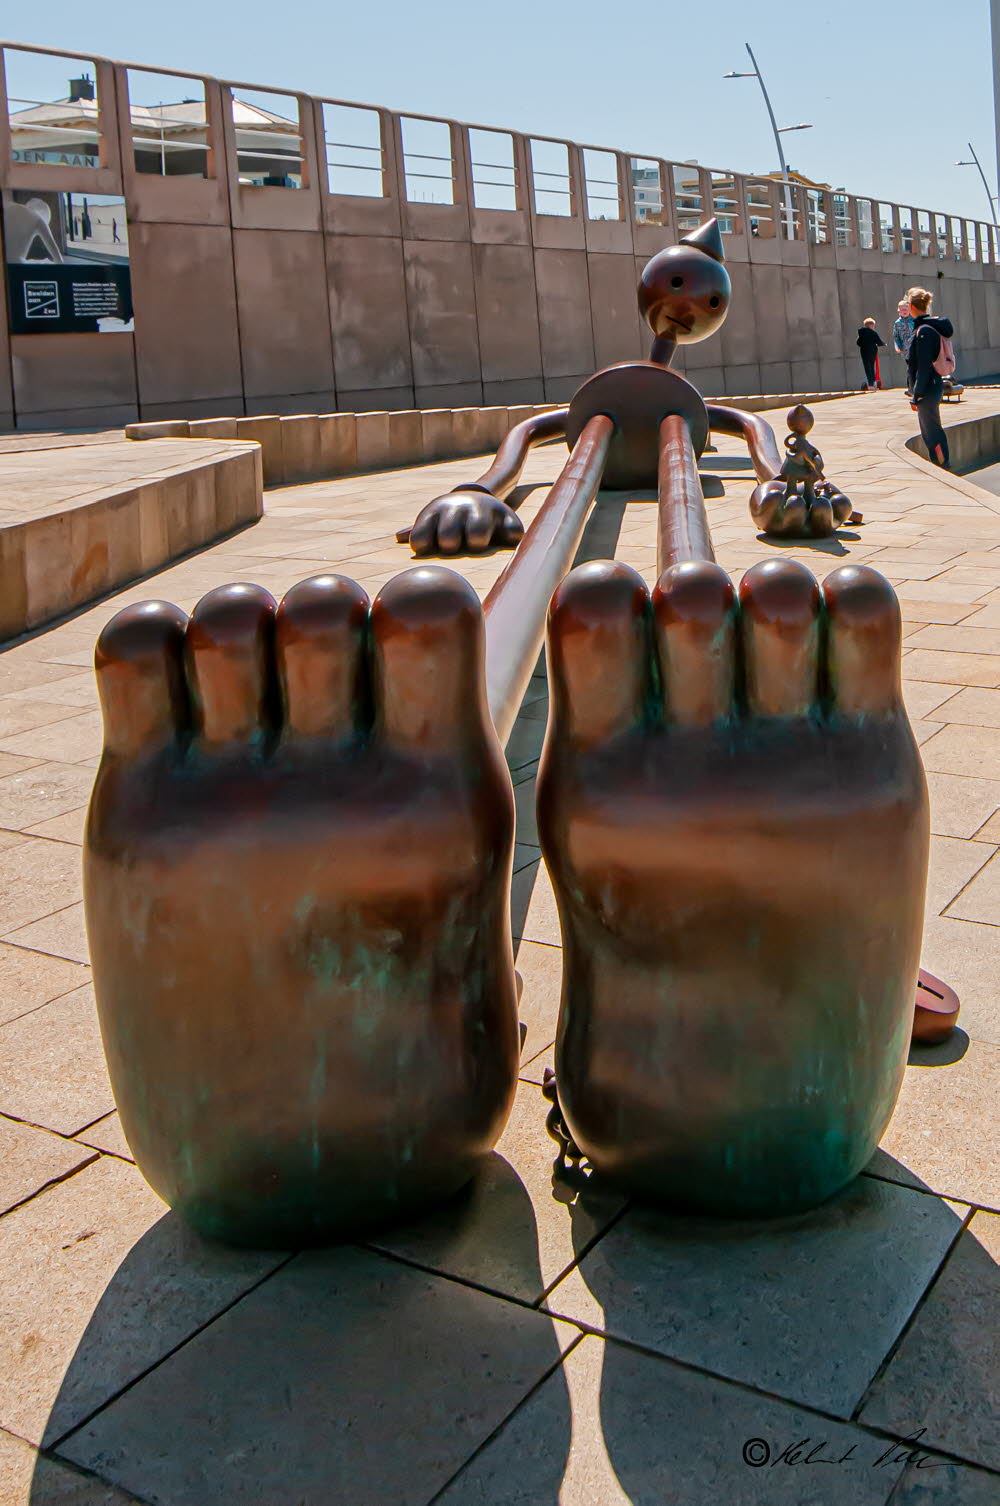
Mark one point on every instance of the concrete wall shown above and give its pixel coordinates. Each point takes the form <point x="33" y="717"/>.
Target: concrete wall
<point x="972" y="443"/>
<point x="271" y="300"/>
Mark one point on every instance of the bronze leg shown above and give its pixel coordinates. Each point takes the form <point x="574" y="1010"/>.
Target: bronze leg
<point x="733" y="811"/>
<point x="297" y="884"/>
<point x="297" y="872"/>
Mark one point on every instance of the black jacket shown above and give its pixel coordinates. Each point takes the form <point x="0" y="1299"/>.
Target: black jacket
<point x="926" y="347"/>
<point x="869" y="341"/>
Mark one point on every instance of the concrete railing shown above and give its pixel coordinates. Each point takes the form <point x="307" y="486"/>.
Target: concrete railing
<point x="304" y="447"/>
<point x="295" y="279"/>
<point x="321" y="446"/>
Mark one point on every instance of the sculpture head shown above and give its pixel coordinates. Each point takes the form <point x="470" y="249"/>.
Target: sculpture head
<point x="800" y="419"/>
<point x="684" y="291"/>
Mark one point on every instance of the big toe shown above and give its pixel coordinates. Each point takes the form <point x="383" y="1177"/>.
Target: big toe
<point x="780" y="605"/>
<point x="428" y="669"/>
<point x="863" y="642"/>
<point x="320" y="631"/>
<point x="229" y="649"/>
<point x="694" y="604"/>
<point x="598" y="651"/>
<point x="140" y="677"/>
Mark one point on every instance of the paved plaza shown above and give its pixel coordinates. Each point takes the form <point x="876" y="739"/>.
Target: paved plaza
<point x="528" y="1345"/>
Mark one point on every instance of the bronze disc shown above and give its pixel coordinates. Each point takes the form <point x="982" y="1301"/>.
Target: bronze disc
<point x="638" y="396"/>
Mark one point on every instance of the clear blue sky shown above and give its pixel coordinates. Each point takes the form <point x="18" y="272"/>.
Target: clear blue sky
<point x="643" y="77"/>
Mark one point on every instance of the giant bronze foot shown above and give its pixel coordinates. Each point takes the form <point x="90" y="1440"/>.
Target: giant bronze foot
<point x="733" y="811"/>
<point x="297" y="868"/>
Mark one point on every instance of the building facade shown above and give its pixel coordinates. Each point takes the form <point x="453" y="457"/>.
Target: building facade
<point x="182" y="247"/>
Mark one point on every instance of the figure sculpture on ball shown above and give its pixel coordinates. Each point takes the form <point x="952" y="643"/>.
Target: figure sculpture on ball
<point x="800" y="501"/>
<point x="684" y="294"/>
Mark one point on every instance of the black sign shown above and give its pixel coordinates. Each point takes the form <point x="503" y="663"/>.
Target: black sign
<point x="66" y="298"/>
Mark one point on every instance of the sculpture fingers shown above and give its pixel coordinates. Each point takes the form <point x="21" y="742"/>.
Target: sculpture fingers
<point x="776" y="513"/>
<point x="452" y="520"/>
<point x="423" y="535"/>
<point x="140" y="677"/>
<point x="511" y="529"/>
<point x="481" y="522"/>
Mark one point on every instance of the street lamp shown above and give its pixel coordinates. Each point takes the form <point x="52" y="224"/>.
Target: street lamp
<point x="976" y="163"/>
<point x="778" y="132"/>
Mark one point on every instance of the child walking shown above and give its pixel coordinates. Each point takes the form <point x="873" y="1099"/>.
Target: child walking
<point x="869" y="341"/>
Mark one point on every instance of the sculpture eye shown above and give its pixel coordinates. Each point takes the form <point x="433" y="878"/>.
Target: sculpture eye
<point x="676" y="282"/>
<point x="714" y="301"/>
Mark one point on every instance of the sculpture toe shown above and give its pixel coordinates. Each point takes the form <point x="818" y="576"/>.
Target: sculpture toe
<point x="229" y="652"/>
<point x="694" y="605"/>
<point x="140" y="677"/>
<point x="863" y="643"/>
<point x="598" y="651"/>
<point x="780" y="604"/>
<point x="320" y="631"/>
<point x="428" y="648"/>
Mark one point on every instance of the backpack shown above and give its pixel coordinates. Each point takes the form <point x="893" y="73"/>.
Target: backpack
<point x="944" y="364"/>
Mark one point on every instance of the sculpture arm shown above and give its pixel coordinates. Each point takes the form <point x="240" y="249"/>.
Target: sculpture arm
<point x="505" y="472"/>
<point x="755" y="431"/>
<point x="475" y="515"/>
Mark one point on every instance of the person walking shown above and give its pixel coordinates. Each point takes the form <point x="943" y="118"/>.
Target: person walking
<point x="869" y="341"/>
<point x="926" y="381"/>
<point x="902" y="334"/>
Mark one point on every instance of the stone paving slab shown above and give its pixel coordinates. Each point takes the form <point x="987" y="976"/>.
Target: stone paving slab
<point x="52" y="1069"/>
<point x="379" y="1382"/>
<point x="100" y="1283"/>
<point x="645" y="1431"/>
<point x="943" y="1132"/>
<point x="31" y="1158"/>
<point x="102" y="1288"/>
<point x="945" y="1375"/>
<point x="26" y="1476"/>
<point x="811" y="1304"/>
<point x="512" y="1232"/>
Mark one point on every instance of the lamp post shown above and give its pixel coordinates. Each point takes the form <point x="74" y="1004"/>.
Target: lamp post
<point x="976" y="163"/>
<point x="778" y="132"/>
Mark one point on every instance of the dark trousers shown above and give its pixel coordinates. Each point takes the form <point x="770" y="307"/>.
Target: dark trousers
<point x="931" y="431"/>
<point x="868" y="362"/>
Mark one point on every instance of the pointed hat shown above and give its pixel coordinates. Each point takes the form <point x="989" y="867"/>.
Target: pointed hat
<point x="707" y="238"/>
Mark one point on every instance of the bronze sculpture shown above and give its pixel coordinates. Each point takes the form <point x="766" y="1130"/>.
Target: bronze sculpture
<point x="297" y="869"/>
<point x="297" y="885"/>
<point x="733" y="811"/>
<point x="800" y="501"/>
<point x="298" y="851"/>
<point x="684" y="294"/>
<point x="936" y="1012"/>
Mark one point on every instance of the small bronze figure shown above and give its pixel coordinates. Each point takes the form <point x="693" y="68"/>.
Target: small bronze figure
<point x="800" y="502"/>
